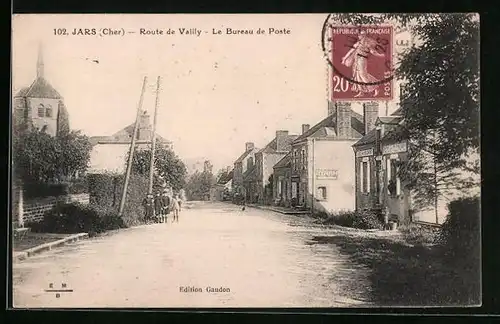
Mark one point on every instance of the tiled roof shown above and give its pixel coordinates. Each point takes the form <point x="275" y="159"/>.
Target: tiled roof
<point x="390" y="119"/>
<point x="357" y="126"/>
<point x="285" y="162"/>
<point x="245" y="154"/>
<point x="271" y="147"/>
<point x="40" y="88"/>
<point x="129" y="130"/>
<point x="370" y="137"/>
<point x="250" y="174"/>
<point x="225" y="179"/>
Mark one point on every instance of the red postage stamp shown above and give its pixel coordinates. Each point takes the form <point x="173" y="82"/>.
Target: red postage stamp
<point x="361" y="58"/>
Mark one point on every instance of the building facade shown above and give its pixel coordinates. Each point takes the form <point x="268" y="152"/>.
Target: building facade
<point x="266" y="159"/>
<point x="242" y="165"/>
<point x="40" y="106"/>
<point x="322" y="178"/>
<point x="282" y="177"/>
<point x="379" y="155"/>
<point x="109" y="153"/>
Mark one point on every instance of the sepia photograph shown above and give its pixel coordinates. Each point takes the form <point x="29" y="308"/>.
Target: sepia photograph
<point x="245" y="160"/>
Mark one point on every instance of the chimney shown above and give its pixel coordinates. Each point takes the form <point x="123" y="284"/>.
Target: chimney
<point x="305" y="128"/>
<point x="249" y="146"/>
<point x="331" y="108"/>
<point x="343" y="118"/>
<point x="370" y="115"/>
<point x="282" y="143"/>
<point x="144" y="127"/>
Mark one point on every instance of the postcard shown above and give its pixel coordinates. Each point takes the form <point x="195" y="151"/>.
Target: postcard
<point x="245" y="160"/>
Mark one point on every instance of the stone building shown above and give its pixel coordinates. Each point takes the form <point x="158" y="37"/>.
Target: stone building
<point x="265" y="159"/>
<point x="242" y="168"/>
<point x="282" y="188"/>
<point x="109" y="152"/>
<point x="322" y="178"/>
<point x="378" y="186"/>
<point x="40" y="105"/>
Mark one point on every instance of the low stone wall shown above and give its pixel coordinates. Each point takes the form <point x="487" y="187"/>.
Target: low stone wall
<point x="33" y="210"/>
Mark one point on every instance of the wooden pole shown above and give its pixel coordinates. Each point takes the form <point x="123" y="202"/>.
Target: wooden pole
<point x="132" y="147"/>
<point x="153" y="138"/>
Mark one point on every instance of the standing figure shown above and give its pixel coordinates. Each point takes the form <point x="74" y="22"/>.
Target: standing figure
<point x="165" y="206"/>
<point x="175" y="209"/>
<point x="148" y="204"/>
<point x="356" y="58"/>
<point x="158" y="208"/>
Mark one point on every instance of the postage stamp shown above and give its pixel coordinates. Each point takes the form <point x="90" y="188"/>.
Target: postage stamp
<point x="361" y="58"/>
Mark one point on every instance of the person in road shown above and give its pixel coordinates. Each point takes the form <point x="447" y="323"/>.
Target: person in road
<point x="175" y="208"/>
<point x="148" y="204"/>
<point x="165" y="204"/>
<point x="158" y="208"/>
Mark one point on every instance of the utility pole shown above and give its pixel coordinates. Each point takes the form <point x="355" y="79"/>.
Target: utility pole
<point x="313" y="177"/>
<point x="153" y="138"/>
<point x="132" y="147"/>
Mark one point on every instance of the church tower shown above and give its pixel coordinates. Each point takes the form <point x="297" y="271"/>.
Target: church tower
<point x="40" y="105"/>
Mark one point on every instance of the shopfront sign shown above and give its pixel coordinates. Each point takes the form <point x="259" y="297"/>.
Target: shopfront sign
<point x="330" y="174"/>
<point x="394" y="148"/>
<point x="363" y="153"/>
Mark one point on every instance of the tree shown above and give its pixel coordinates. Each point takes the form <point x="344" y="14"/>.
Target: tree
<point x="440" y="100"/>
<point x="199" y="185"/>
<point x="167" y="165"/>
<point x="39" y="157"/>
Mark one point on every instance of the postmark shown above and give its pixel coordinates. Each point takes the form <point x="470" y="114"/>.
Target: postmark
<point x="361" y="58"/>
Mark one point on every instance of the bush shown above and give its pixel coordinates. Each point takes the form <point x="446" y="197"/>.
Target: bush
<point x="354" y="219"/>
<point x="460" y="235"/>
<point x="78" y="186"/>
<point x="106" y="190"/>
<point x="419" y="234"/>
<point x="34" y="190"/>
<point x="78" y="218"/>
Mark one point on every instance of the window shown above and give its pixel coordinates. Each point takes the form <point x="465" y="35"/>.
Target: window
<point x="321" y="193"/>
<point x="249" y="163"/>
<point x="364" y="175"/>
<point x="41" y="111"/>
<point x="303" y="157"/>
<point x="48" y="111"/>
<point x="295" y="160"/>
<point x="393" y="182"/>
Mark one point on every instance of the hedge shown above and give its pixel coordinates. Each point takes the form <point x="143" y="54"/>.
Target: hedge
<point x="354" y="219"/>
<point x="106" y="190"/>
<point x="78" y="218"/>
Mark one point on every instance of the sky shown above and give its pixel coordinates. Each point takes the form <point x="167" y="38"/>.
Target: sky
<point x="217" y="91"/>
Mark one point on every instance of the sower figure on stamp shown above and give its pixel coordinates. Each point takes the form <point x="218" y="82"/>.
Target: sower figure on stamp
<point x="148" y="204"/>
<point x="356" y="58"/>
<point x="165" y="204"/>
<point x="158" y="208"/>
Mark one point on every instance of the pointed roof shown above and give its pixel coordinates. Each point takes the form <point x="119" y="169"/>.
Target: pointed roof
<point x="327" y="127"/>
<point x="245" y="154"/>
<point x="285" y="162"/>
<point x="40" y="88"/>
<point x="370" y="137"/>
<point x="272" y="146"/>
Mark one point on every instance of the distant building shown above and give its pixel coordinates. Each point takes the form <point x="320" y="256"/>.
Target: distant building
<point x="223" y="187"/>
<point x="207" y="167"/>
<point x="242" y="166"/>
<point x="40" y="105"/>
<point x="282" y="177"/>
<point x="109" y="152"/>
<point x="265" y="159"/>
